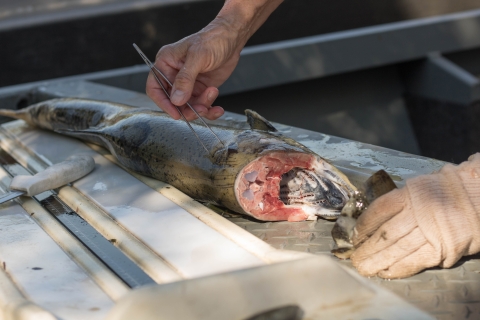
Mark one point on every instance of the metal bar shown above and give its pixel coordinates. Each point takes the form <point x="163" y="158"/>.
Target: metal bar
<point x="439" y="78"/>
<point x="123" y="267"/>
<point x="322" y="55"/>
<point x="10" y="195"/>
<point x="51" y="13"/>
<point x="110" y="255"/>
<point x="338" y="52"/>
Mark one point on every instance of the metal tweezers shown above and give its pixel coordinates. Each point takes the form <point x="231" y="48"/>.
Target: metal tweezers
<point x="154" y="72"/>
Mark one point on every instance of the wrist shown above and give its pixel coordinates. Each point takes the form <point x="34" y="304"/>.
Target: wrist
<point x="242" y="18"/>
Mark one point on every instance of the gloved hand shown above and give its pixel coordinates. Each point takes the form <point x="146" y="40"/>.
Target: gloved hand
<point x="433" y="220"/>
<point x="198" y="64"/>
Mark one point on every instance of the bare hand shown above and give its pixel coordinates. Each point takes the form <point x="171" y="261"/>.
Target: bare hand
<point x="198" y="64"/>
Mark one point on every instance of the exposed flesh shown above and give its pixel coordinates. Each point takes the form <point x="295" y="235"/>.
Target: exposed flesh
<point x="291" y="187"/>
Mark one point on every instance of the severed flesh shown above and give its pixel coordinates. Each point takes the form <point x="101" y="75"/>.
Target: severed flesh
<point x="300" y="186"/>
<point x="291" y="186"/>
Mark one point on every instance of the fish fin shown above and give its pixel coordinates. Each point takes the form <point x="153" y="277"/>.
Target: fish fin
<point x="377" y="185"/>
<point x="257" y="122"/>
<point x="8" y="113"/>
<point x="94" y="135"/>
<point x="93" y="130"/>
<point x="22" y="114"/>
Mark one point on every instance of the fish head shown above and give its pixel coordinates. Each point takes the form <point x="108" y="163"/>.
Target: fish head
<point x="319" y="192"/>
<point x="292" y="185"/>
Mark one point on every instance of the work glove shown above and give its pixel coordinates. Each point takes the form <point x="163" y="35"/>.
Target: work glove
<point x="432" y="221"/>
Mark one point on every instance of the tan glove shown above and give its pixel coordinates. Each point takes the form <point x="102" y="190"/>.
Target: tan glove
<point x="433" y="221"/>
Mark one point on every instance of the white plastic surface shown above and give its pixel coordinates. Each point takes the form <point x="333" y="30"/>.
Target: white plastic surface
<point x="317" y="285"/>
<point x="44" y="272"/>
<point x="187" y="244"/>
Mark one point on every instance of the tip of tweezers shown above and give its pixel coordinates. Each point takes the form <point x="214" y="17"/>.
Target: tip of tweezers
<point x="144" y="57"/>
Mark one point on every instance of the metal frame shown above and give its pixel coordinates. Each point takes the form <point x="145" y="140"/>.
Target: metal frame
<point x="307" y="58"/>
<point x="346" y="51"/>
<point x="438" y="78"/>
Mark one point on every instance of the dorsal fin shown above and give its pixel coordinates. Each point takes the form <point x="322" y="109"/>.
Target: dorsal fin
<point x="257" y="122"/>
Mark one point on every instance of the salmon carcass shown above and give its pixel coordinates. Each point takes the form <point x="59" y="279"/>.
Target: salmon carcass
<point x="260" y="172"/>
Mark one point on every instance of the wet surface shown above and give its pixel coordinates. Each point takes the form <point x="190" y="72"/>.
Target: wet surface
<point x="444" y="293"/>
<point x="104" y="249"/>
<point x="357" y="160"/>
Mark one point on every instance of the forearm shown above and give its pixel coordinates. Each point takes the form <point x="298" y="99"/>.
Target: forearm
<point x="245" y="17"/>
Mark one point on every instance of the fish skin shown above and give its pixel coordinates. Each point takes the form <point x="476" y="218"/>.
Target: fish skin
<point x="377" y="185"/>
<point x="153" y="144"/>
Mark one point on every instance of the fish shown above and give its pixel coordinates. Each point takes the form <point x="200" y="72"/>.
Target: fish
<point x="374" y="187"/>
<point x="256" y="171"/>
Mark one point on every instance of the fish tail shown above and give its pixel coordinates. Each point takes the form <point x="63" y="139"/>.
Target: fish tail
<point x="22" y="114"/>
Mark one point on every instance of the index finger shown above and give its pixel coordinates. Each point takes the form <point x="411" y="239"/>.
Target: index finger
<point x="186" y="78"/>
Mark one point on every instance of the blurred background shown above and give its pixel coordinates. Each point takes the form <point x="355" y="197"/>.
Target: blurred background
<point x="402" y="74"/>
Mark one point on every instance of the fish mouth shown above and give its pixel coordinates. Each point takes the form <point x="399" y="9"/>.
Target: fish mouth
<point x="291" y="186"/>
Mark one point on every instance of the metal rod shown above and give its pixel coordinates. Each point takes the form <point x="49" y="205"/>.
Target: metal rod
<point x="178" y="109"/>
<point x="153" y="68"/>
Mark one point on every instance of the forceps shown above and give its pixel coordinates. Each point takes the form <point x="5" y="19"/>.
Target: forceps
<point x="154" y="71"/>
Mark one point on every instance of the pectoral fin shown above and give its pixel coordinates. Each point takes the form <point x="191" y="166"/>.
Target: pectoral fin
<point x="93" y="135"/>
<point x="257" y="122"/>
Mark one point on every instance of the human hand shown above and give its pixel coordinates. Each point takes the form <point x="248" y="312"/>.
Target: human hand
<point x="432" y="221"/>
<point x="198" y="64"/>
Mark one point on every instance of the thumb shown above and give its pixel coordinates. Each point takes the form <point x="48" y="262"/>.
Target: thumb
<point x="185" y="80"/>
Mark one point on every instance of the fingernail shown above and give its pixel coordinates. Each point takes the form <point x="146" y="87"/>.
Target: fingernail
<point x="211" y="96"/>
<point x="177" y="97"/>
